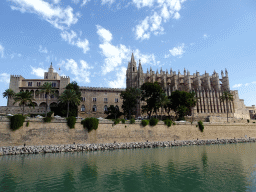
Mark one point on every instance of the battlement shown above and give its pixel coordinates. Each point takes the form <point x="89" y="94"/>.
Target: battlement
<point x="64" y="77"/>
<point x="16" y="76"/>
<point x="101" y="88"/>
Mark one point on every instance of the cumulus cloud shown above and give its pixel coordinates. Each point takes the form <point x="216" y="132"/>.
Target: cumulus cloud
<point x="107" y="1"/>
<point x="177" y="51"/>
<point x="163" y="11"/>
<point x="42" y="50"/>
<point x="205" y="36"/>
<point x="38" y="71"/>
<point x="238" y="85"/>
<point x="116" y="55"/>
<point x="5" y="78"/>
<point x="59" y="17"/>
<point x="81" y="72"/>
<point x="104" y="34"/>
<point x="1" y="51"/>
<point x="120" y="80"/>
<point x="72" y="39"/>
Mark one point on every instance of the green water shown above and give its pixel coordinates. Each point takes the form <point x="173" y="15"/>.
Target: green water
<point x="228" y="167"/>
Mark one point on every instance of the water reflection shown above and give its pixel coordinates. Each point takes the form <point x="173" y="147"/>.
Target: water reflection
<point x="193" y="168"/>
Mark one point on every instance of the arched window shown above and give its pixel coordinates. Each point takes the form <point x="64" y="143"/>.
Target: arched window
<point x="94" y="108"/>
<point x="133" y="68"/>
<point x="105" y="108"/>
<point x="83" y="108"/>
<point x="117" y="107"/>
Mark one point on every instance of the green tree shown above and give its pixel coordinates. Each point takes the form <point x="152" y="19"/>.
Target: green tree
<point x="150" y="93"/>
<point x="113" y="112"/>
<point x="69" y="96"/>
<point x="8" y="93"/>
<point x="163" y="101"/>
<point x="48" y="90"/>
<point x="61" y="108"/>
<point x="24" y="98"/>
<point x="182" y="102"/>
<point x="131" y="97"/>
<point x="226" y="96"/>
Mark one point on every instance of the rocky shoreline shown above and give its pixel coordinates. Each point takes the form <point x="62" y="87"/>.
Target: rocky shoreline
<point x="17" y="150"/>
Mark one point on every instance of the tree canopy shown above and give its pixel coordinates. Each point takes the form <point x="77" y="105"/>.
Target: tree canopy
<point x="113" y="112"/>
<point x="226" y="96"/>
<point x="48" y="90"/>
<point x="131" y="97"/>
<point x="182" y="102"/>
<point x="8" y="93"/>
<point x="24" y="98"/>
<point x="150" y="94"/>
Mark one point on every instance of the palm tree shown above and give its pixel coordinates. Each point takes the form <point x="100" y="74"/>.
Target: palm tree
<point x="226" y="96"/>
<point x="48" y="90"/>
<point x="69" y="96"/>
<point x="8" y="93"/>
<point x="162" y="102"/>
<point x="24" y="98"/>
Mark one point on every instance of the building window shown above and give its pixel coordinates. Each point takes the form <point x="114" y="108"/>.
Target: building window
<point x="53" y="84"/>
<point x="105" y="100"/>
<point x="30" y="84"/>
<point x="52" y="96"/>
<point x="105" y="108"/>
<point x="82" y="98"/>
<point x="45" y="95"/>
<point x="116" y="100"/>
<point x="94" y="99"/>
<point x="83" y="108"/>
<point x="94" y="108"/>
<point x="38" y="84"/>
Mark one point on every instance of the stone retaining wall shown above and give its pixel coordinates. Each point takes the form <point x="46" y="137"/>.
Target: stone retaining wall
<point x="57" y="132"/>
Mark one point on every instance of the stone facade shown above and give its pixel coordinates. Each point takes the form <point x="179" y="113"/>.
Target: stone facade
<point x="19" y="83"/>
<point x="208" y="89"/>
<point x="96" y="100"/>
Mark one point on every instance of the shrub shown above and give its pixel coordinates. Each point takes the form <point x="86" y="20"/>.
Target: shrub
<point x="132" y="121"/>
<point x="174" y="123"/>
<point x="47" y="119"/>
<point x="253" y="122"/>
<point x="168" y="122"/>
<point x="49" y="114"/>
<point x="27" y="124"/>
<point x="153" y="121"/>
<point x="201" y="126"/>
<point x="116" y="121"/>
<point x="71" y="121"/>
<point x="123" y="121"/>
<point x="144" y="122"/>
<point x="90" y="123"/>
<point x="17" y="121"/>
<point x="248" y="121"/>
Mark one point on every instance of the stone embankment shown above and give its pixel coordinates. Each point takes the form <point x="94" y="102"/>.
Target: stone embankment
<point x="98" y="147"/>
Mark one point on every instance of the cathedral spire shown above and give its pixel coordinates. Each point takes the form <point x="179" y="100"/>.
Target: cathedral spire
<point x="132" y="59"/>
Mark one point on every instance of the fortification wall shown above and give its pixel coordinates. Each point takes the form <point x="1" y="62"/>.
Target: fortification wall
<point x="57" y="132"/>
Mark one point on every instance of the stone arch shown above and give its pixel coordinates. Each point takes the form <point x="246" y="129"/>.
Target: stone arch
<point x="43" y="104"/>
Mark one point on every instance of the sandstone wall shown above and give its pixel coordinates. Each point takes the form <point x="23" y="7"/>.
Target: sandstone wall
<point x="57" y="132"/>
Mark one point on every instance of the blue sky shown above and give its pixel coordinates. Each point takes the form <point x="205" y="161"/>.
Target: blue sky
<point x="91" y="41"/>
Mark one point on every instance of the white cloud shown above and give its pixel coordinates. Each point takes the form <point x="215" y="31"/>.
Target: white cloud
<point x="238" y="85"/>
<point x="143" y="3"/>
<point x="120" y="80"/>
<point x="59" y="17"/>
<point x="1" y="51"/>
<point x="5" y="78"/>
<point x="81" y="72"/>
<point x="107" y="1"/>
<point x="163" y="11"/>
<point x="177" y="51"/>
<point x="72" y="39"/>
<point x="104" y="34"/>
<point x="83" y="45"/>
<point x="38" y="71"/>
<point x="41" y="50"/>
<point x="69" y="37"/>
<point x="205" y="36"/>
<point x="56" y="1"/>
<point x="115" y="56"/>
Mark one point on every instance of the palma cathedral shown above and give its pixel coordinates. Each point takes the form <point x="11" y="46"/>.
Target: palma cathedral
<point x="208" y="89"/>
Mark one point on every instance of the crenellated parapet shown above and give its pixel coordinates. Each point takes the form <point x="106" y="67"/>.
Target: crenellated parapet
<point x="85" y="88"/>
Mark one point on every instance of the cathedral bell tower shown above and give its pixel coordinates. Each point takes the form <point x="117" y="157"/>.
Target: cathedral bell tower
<point x="131" y="74"/>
